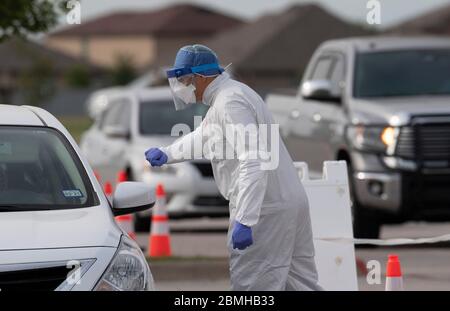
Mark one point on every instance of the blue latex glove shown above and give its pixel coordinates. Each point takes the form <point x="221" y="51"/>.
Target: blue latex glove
<point x="242" y="236"/>
<point x="156" y="156"/>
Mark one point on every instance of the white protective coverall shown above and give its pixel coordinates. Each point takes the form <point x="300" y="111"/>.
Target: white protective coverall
<point x="272" y="202"/>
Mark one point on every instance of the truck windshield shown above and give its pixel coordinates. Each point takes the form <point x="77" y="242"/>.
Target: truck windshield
<point x="39" y="170"/>
<point x="159" y="117"/>
<point x="402" y="73"/>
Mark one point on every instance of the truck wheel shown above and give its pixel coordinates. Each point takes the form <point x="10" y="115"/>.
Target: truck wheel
<point x="366" y="223"/>
<point x="141" y="224"/>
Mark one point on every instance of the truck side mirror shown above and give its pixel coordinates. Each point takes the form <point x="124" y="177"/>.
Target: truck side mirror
<point x="321" y="90"/>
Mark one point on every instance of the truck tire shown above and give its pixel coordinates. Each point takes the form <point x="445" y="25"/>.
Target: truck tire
<point x="366" y="223"/>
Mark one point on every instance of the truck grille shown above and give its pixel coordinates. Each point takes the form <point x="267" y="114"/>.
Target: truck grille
<point x="406" y="143"/>
<point x="205" y="168"/>
<point x="426" y="141"/>
<point x="428" y="195"/>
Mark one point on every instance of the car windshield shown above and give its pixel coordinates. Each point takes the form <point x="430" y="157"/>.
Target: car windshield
<point x="402" y="73"/>
<point x="159" y="117"/>
<point x="39" y="170"/>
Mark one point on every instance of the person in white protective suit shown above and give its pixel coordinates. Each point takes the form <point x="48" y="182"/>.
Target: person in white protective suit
<point x="269" y="239"/>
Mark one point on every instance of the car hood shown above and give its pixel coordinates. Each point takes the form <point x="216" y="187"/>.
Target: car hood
<point x="396" y="111"/>
<point x="81" y="227"/>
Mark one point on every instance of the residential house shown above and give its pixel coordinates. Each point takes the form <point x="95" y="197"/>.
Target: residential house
<point x="435" y="22"/>
<point x="147" y="38"/>
<point x="272" y="52"/>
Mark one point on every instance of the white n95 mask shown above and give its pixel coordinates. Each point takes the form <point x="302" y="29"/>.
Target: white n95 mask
<point x="181" y="82"/>
<point x="183" y="95"/>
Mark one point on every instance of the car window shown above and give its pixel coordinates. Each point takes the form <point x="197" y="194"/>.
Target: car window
<point x="40" y="170"/>
<point x="125" y="116"/>
<point x="159" y="117"/>
<point x="110" y="115"/>
<point x="337" y="70"/>
<point x="322" y="68"/>
<point x="402" y="73"/>
<point x="337" y="73"/>
<point x="118" y="113"/>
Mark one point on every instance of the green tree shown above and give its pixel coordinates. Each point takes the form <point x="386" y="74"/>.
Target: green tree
<point x="38" y="82"/>
<point x="123" y="71"/>
<point x="23" y="17"/>
<point x="78" y="76"/>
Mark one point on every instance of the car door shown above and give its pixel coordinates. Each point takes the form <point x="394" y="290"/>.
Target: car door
<point x="307" y="138"/>
<point x="112" y="145"/>
<point x="92" y="142"/>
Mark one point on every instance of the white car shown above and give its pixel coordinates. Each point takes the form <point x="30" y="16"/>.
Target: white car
<point x="97" y="102"/>
<point x="136" y="120"/>
<point x="57" y="228"/>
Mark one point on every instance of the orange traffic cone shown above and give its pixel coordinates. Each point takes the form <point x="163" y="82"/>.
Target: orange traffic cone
<point x="122" y="176"/>
<point x="159" y="242"/>
<point x="394" y="279"/>
<point x="125" y="222"/>
<point x="108" y="189"/>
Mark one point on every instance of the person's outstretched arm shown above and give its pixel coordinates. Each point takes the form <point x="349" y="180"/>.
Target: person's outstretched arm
<point x="187" y="147"/>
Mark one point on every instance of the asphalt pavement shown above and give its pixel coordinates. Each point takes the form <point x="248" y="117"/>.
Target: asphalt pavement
<point x="200" y="262"/>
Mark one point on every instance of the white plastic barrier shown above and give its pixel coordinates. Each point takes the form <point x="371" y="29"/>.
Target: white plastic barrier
<point x="330" y="206"/>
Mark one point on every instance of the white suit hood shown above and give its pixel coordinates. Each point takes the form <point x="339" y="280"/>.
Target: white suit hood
<point x="211" y="90"/>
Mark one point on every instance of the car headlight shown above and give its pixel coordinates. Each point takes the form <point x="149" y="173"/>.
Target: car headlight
<point x="128" y="270"/>
<point x="373" y="138"/>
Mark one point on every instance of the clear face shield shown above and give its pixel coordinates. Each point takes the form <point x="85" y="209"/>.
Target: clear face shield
<point x="182" y="84"/>
<point x="183" y="91"/>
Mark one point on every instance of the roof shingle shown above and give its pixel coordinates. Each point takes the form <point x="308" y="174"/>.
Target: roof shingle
<point x="18" y="55"/>
<point x="174" y="20"/>
<point x="435" y="22"/>
<point x="282" y="42"/>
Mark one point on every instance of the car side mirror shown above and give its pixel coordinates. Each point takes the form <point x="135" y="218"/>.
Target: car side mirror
<point x="321" y="90"/>
<point x="131" y="197"/>
<point x="115" y="131"/>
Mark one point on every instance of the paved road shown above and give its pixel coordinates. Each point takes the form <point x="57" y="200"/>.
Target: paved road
<point x="424" y="267"/>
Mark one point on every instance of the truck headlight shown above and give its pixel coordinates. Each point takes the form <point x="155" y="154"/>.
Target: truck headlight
<point x="373" y="138"/>
<point x="128" y="270"/>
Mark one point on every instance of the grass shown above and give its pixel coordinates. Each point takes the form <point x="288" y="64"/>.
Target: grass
<point x="76" y="125"/>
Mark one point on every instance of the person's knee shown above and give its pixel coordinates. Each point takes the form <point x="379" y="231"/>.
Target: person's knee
<point x="259" y="277"/>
